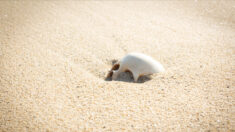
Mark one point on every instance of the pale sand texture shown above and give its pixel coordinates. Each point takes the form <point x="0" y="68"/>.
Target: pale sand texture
<point x="54" y="56"/>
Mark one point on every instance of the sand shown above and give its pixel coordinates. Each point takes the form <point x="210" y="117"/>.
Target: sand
<point x="54" y="56"/>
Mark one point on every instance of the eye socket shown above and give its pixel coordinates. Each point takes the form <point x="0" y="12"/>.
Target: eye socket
<point x="115" y="67"/>
<point x="110" y="74"/>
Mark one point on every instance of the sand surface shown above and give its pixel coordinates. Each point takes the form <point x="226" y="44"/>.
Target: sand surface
<point x="54" y="56"/>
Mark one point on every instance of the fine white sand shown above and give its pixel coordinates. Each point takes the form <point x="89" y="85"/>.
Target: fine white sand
<point x="54" y="56"/>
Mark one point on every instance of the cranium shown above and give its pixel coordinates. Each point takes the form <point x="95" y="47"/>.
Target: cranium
<point x="138" y="64"/>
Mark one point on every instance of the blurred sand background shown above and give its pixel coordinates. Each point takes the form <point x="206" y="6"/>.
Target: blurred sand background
<point x="54" y="56"/>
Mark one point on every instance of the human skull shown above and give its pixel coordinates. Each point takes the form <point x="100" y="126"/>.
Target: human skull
<point x="138" y="64"/>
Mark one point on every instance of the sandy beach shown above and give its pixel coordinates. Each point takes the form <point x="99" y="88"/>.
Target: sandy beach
<point x="55" y="55"/>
